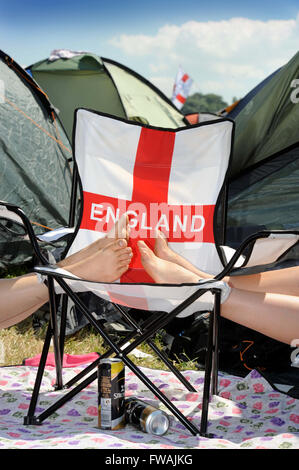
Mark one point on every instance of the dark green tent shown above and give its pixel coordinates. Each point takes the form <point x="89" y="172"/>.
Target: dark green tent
<point x="264" y="187"/>
<point x="35" y="158"/>
<point x="89" y="81"/>
<point x="268" y="122"/>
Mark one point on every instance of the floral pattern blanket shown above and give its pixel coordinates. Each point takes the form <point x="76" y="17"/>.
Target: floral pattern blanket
<point x="248" y="413"/>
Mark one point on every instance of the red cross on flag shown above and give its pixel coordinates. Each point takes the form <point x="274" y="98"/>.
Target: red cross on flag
<point x="165" y="179"/>
<point x="181" y="88"/>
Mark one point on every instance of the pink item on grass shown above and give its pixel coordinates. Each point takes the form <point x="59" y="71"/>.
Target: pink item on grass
<point x="69" y="360"/>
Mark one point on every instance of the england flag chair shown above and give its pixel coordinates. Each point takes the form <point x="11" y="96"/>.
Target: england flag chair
<point x="168" y="179"/>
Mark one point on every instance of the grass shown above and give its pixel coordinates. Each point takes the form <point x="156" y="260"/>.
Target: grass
<point x="21" y="341"/>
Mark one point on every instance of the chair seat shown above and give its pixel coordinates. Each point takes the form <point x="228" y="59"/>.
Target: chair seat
<point x="151" y="297"/>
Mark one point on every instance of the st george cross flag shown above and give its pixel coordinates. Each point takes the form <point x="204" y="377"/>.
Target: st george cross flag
<point x="181" y="88"/>
<point x="166" y="180"/>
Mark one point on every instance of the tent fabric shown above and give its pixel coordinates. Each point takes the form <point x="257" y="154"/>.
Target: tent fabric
<point x="104" y="85"/>
<point x="269" y="121"/>
<point x="266" y="198"/>
<point x="34" y="157"/>
<point x="235" y="108"/>
<point x="264" y="177"/>
<point x="77" y="82"/>
<point x="256" y="196"/>
<point x="141" y="100"/>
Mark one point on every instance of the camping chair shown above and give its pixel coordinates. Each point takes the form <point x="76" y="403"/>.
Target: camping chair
<point x="133" y="166"/>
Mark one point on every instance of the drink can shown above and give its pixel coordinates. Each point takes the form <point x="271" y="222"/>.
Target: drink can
<point x="111" y="394"/>
<point x="146" y="417"/>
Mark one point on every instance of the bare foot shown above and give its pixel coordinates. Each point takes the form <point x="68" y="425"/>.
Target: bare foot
<point x="163" y="251"/>
<point x="106" y="265"/>
<point x="120" y="230"/>
<point x="164" y="271"/>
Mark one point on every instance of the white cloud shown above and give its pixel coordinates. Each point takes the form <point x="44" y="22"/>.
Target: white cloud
<point x="163" y="83"/>
<point x="233" y="54"/>
<point x="161" y="67"/>
<point x="237" y="70"/>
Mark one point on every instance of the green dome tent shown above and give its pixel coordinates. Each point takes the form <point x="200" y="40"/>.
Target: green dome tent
<point x="268" y="122"/>
<point x="264" y="181"/>
<point x="89" y="81"/>
<point x="35" y="158"/>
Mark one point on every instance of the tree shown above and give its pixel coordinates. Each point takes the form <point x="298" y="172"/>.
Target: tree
<point x="200" y="103"/>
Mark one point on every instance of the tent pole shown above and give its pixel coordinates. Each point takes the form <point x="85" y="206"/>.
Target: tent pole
<point x="73" y="197"/>
<point x="224" y="213"/>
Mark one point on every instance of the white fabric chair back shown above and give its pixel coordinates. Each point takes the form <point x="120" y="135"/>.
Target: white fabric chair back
<point x="165" y="179"/>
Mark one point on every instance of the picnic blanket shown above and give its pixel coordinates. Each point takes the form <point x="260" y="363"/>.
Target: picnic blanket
<point x="248" y="414"/>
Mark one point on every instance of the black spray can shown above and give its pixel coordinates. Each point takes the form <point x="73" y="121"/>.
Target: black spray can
<point x="111" y="394"/>
<point x="146" y="417"/>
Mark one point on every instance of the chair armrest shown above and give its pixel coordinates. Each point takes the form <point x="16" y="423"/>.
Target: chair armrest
<point x="263" y="248"/>
<point x="57" y="234"/>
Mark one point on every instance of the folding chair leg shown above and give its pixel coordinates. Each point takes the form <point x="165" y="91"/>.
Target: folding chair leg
<point x="63" y="325"/>
<point x="52" y="332"/>
<point x="216" y="314"/>
<point x="56" y="344"/>
<point x="30" y="418"/>
<point x="207" y="380"/>
<point x="211" y="366"/>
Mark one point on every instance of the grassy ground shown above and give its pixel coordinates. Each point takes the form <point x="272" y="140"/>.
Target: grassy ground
<point x="21" y="341"/>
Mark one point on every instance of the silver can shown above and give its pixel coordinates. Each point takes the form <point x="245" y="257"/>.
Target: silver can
<point x="146" y="417"/>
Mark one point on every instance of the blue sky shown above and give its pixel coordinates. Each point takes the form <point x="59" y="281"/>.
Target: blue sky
<point x="227" y="47"/>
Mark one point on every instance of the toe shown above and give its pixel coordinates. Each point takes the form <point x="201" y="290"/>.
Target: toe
<point x="119" y="244"/>
<point x="145" y="251"/>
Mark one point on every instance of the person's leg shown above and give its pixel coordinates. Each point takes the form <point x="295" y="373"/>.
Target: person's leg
<point x="274" y="315"/>
<point x="282" y="281"/>
<point x="22" y="296"/>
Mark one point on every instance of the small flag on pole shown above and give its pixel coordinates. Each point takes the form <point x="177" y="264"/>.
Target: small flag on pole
<point x="181" y="88"/>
